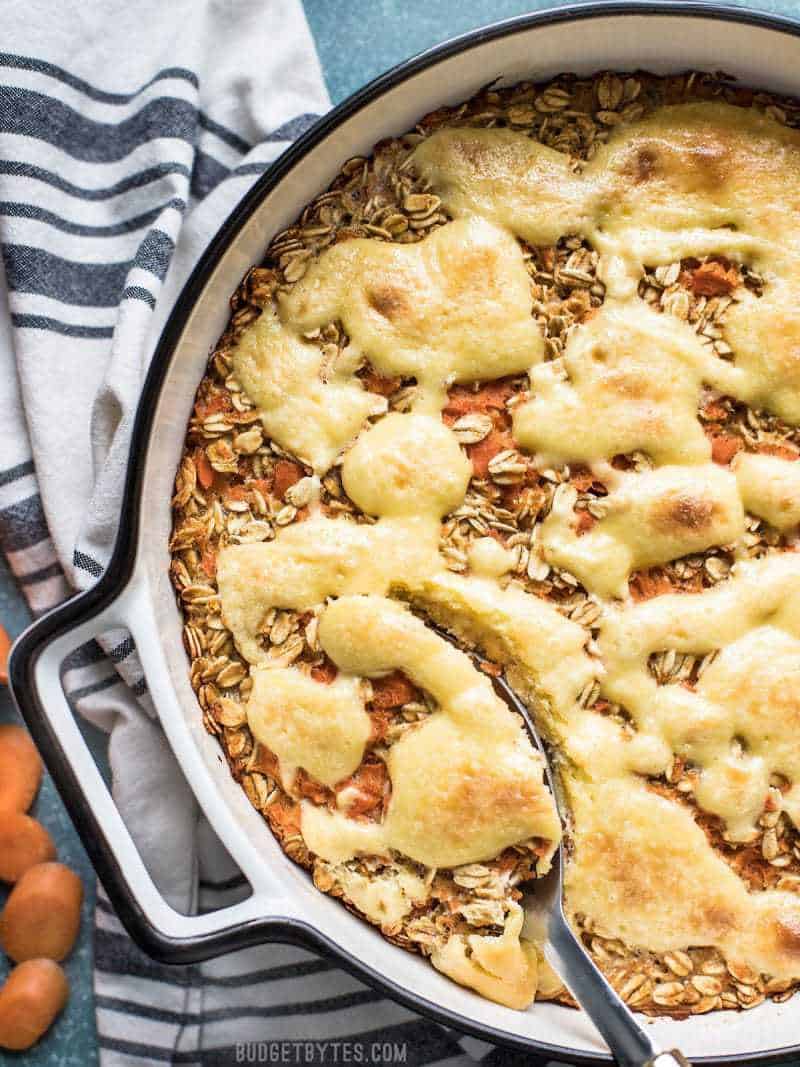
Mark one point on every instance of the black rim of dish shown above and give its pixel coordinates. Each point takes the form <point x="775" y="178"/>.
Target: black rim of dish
<point x="84" y="606"/>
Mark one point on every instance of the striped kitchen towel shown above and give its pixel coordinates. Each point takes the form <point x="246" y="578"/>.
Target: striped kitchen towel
<point x="127" y="133"/>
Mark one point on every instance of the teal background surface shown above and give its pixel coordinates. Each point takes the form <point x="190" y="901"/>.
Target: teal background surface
<point x="356" y="40"/>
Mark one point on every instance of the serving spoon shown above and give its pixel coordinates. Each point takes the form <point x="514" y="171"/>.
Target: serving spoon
<point x="563" y="950"/>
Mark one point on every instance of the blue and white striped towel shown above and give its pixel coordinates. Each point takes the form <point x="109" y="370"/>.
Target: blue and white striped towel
<point x="127" y="132"/>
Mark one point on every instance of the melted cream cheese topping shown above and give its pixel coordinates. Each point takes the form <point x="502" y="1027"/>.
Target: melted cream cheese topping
<point x="453" y="307"/>
<point x="692" y="179"/>
<point x="749" y="694"/>
<point x="488" y="792"/>
<point x="500" y="968"/>
<point x="765" y="334"/>
<point x="688" y="180"/>
<point x="310" y="561"/>
<point x="651" y="518"/>
<point x="515" y="182"/>
<point x="323" y="728"/>
<point x="406" y="465"/>
<point x="488" y="559"/>
<point x="408" y="470"/>
<point x="309" y="415"/>
<point x="770" y="488"/>
<point x="383" y="899"/>
<point x="708" y="175"/>
<point x="629" y="381"/>
<point x="630" y="847"/>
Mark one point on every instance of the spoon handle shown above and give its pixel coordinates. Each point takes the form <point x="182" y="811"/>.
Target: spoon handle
<point x="628" y="1042"/>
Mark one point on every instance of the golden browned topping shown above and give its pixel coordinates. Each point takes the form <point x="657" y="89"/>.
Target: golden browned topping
<point x="532" y="370"/>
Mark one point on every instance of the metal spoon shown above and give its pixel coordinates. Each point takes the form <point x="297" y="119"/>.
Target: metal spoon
<point x="544" y="908"/>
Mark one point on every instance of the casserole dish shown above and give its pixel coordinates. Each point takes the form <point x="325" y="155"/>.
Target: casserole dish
<point x="135" y="591"/>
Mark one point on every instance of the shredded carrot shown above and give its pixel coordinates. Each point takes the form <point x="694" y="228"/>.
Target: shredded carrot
<point x="310" y="788"/>
<point x="208" y="561"/>
<point x="376" y="383"/>
<point x="462" y="400"/>
<point x="264" y="761"/>
<point x="324" y="672"/>
<point x="236" y="493"/>
<point x="582" y="478"/>
<point x="714" y="278"/>
<point x="380" y="721"/>
<point x="286" y="474"/>
<point x="205" y="472"/>
<point x="724" y="447"/>
<point x="585" y="521"/>
<point x="371" y="782"/>
<point x="392" y="691"/>
<point x="481" y="453"/>
<point x="284" y="817"/>
<point x="713" y="409"/>
<point x="263" y="485"/>
<point x="217" y="404"/>
<point x="782" y="451"/>
<point x="647" y="584"/>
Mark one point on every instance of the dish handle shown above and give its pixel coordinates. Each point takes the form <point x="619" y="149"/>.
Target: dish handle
<point x="35" y="680"/>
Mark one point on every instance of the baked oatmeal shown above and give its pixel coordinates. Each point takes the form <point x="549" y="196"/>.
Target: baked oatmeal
<point x="530" y="373"/>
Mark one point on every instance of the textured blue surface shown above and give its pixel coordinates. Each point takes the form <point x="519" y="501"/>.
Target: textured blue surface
<point x="71" y="1043"/>
<point x="357" y="40"/>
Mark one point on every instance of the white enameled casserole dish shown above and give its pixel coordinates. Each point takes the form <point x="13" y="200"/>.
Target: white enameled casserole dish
<point x="135" y="592"/>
